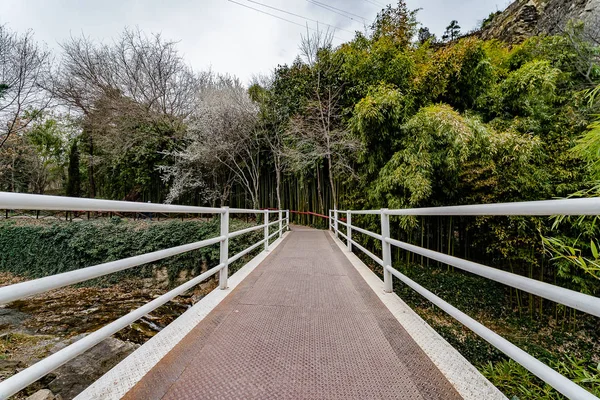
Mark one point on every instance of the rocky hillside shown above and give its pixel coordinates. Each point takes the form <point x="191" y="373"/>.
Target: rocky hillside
<point x="525" y="18"/>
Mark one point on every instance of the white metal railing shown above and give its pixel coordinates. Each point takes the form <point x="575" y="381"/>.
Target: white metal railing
<point x="576" y="300"/>
<point x="16" y="201"/>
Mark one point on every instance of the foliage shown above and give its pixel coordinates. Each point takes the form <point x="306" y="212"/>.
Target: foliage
<point x="424" y="35"/>
<point x="38" y="250"/>
<point x="441" y="151"/>
<point x="369" y="63"/>
<point x="24" y="69"/>
<point x="530" y="90"/>
<point x="397" y="23"/>
<point x="382" y="110"/>
<point x="588" y="145"/>
<point x="222" y="133"/>
<point x="458" y="75"/>
<point x="518" y="383"/>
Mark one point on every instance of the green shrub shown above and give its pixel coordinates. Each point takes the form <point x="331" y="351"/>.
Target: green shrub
<point x="518" y="383"/>
<point x="38" y="250"/>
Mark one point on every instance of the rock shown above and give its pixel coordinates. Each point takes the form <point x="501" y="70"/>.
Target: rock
<point x="11" y="319"/>
<point x="43" y="394"/>
<point x="10" y="367"/>
<point x="76" y="375"/>
<point x="526" y="18"/>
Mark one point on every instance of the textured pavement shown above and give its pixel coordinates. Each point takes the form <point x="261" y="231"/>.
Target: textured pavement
<point x="302" y="325"/>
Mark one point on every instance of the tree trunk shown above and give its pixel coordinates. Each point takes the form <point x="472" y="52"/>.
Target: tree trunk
<point x="320" y="191"/>
<point x="333" y="191"/>
<point x="278" y="181"/>
<point x="92" y="188"/>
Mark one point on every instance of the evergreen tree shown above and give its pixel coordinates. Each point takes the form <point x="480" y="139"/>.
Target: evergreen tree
<point x="74" y="177"/>
<point x="424" y="35"/>
<point x="452" y="31"/>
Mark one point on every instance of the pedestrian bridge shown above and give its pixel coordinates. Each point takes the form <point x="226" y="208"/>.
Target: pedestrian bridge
<point x="304" y="319"/>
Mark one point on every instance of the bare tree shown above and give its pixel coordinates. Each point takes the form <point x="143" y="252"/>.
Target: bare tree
<point x="318" y="133"/>
<point x="223" y="136"/>
<point x="24" y="67"/>
<point x="146" y="69"/>
<point x="313" y="42"/>
<point x="116" y="87"/>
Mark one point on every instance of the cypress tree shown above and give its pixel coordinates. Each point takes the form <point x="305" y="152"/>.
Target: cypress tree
<point x="74" y="177"/>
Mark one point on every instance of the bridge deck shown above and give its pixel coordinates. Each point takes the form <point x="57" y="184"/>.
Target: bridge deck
<point x="303" y="324"/>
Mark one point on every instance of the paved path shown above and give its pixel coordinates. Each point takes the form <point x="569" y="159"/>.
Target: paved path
<point x="302" y="325"/>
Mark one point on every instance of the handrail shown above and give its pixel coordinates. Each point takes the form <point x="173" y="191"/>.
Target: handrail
<point x="245" y="211"/>
<point x="273" y="223"/>
<point x="245" y="251"/>
<point x="580" y="301"/>
<point x="314" y="214"/>
<point x="587" y="206"/>
<point x="26" y="377"/>
<point x="367" y="252"/>
<point x="366" y="232"/>
<point x="17" y="201"/>
<point x="41" y="285"/>
<point x="21" y="201"/>
<point x="243" y="231"/>
<point x="541" y="370"/>
<point x="576" y="300"/>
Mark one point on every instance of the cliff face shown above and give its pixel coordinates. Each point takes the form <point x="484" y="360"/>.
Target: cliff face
<point x="525" y="18"/>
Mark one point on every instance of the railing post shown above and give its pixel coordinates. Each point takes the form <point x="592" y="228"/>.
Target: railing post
<point x="280" y="223"/>
<point x="330" y="221"/>
<point x="349" y="230"/>
<point x="266" y="230"/>
<point x="287" y="219"/>
<point x="224" y="248"/>
<point x="335" y="222"/>
<point x="386" y="250"/>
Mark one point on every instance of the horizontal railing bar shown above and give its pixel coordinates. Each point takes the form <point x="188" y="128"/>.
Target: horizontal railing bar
<point x="536" y="367"/>
<point x="244" y="211"/>
<point x="364" y="212"/>
<point x="277" y="232"/>
<point x="22" y="201"/>
<point x="276" y="222"/>
<point x="342" y="235"/>
<point x="342" y="223"/>
<point x="249" y="211"/>
<point x="26" y="377"/>
<point x="579" y="301"/>
<point x="29" y="288"/>
<point x="366" y="232"/>
<point x="246" y="251"/>
<point x="367" y="252"/>
<point x="588" y="206"/>
<point x="247" y="230"/>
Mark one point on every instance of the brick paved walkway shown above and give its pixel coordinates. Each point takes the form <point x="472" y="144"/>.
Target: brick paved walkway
<point x="302" y="325"/>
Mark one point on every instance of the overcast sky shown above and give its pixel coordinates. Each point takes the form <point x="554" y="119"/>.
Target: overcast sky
<point x="222" y="35"/>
